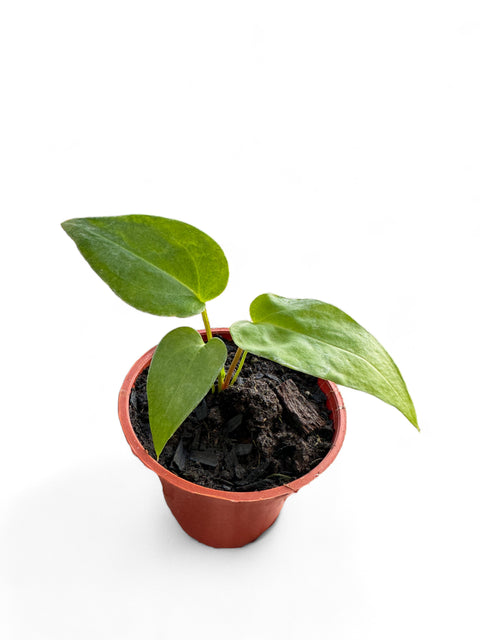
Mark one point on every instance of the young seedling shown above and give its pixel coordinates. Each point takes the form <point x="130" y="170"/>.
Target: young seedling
<point x="170" y="268"/>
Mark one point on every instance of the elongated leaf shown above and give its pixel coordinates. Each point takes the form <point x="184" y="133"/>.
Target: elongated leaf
<point x="158" y="265"/>
<point x="182" y="370"/>
<point x="319" y="339"/>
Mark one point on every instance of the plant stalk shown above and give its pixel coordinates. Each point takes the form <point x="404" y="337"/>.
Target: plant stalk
<point x="239" y="368"/>
<point x="231" y="369"/>
<point x="206" y="323"/>
<point x="208" y="331"/>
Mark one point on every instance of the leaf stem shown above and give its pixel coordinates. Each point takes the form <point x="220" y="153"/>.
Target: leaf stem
<point x="231" y="369"/>
<point x="239" y="368"/>
<point x="208" y="331"/>
<point x="206" y="322"/>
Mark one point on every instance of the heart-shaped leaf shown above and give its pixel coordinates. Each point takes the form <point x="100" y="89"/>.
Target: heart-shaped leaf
<point x="182" y="370"/>
<point x="158" y="265"/>
<point x="319" y="339"/>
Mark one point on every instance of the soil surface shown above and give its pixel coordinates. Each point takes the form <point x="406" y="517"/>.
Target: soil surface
<point x="269" y="428"/>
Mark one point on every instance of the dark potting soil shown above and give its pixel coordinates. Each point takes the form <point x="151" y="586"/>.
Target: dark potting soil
<point x="271" y="427"/>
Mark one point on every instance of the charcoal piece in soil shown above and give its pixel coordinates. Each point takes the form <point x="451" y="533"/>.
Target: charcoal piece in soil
<point x="271" y="427"/>
<point x="302" y="411"/>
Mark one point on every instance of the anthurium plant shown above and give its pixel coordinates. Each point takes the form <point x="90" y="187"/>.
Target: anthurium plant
<point x="170" y="268"/>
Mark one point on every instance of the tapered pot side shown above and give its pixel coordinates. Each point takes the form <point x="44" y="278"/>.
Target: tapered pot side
<point x="225" y="518"/>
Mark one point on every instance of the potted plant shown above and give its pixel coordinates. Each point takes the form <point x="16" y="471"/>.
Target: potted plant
<point x="230" y="436"/>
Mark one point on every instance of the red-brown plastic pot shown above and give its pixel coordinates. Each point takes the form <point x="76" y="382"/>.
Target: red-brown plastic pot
<point x="225" y="518"/>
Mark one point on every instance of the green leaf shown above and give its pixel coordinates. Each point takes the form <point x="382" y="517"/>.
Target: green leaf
<point x="158" y="265"/>
<point x="182" y="370"/>
<point x="319" y="339"/>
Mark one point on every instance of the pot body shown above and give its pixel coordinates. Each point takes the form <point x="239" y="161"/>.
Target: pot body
<point x="225" y="518"/>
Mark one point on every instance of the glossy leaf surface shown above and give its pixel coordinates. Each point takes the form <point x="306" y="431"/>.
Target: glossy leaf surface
<point x="182" y="371"/>
<point x="158" y="265"/>
<point x="323" y="341"/>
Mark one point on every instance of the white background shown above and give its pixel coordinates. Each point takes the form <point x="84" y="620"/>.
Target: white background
<point x="332" y="149"/>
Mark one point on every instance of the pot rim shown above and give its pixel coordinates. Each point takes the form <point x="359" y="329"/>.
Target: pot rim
<point x="336" y="407"/>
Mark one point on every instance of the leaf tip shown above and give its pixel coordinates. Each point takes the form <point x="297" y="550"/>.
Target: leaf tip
<point x="159" y="446"/>
<point x="67" y="225"/>
<point x="414" y="421"/>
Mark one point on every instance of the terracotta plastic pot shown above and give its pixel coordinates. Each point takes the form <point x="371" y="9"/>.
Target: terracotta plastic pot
<point x="225" y="518"/>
